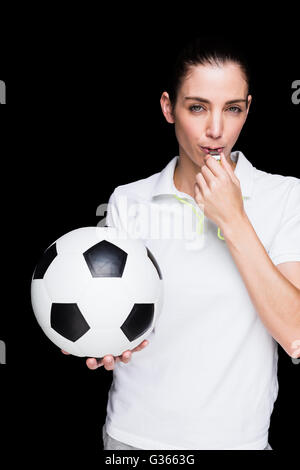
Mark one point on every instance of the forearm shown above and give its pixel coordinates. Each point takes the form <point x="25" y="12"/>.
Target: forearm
<point x="275" y="298"/>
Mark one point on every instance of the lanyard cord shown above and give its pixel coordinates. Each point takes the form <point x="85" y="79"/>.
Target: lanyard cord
<point x="201" y="218"/>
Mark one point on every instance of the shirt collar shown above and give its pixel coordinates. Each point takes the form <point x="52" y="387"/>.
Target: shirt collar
<point x="244" y="171"/>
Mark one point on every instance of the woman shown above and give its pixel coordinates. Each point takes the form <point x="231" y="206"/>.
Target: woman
<point x="208" y="378"/>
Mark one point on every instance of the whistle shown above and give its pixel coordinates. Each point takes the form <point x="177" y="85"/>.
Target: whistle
<point x="215" y="155"/>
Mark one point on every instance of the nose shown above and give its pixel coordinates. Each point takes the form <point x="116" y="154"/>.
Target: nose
<point x="214" y="126"/>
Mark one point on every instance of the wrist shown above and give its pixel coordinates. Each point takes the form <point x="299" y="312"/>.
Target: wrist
<point x="235" y="226"/>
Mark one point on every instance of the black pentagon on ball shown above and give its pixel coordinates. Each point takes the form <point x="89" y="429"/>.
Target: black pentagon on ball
<point x="105" y="260"/>
<point x="67" y="320"/>
<point x="45" y="261"/>
<point x="138" y="321"/>
<point x="150" y="255"/>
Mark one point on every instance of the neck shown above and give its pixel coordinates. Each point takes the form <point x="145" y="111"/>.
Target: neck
<point x="185" y="174"/>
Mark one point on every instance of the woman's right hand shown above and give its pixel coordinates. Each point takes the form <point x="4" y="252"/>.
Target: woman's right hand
<point x="109" y="360"/>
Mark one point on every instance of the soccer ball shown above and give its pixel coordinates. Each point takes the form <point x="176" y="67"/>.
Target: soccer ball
<point x="95" y="291"/>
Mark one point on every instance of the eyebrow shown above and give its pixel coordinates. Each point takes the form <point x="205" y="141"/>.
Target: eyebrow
<point x="197" y="98"/>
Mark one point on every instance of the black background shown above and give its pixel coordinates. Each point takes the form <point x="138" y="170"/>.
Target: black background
<point x="83" y="117"/>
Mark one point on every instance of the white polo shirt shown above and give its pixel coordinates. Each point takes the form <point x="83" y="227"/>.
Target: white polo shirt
<point x="208" y="377"/>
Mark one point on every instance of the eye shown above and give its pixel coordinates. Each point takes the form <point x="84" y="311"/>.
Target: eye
<point x="238" y="110"/>
<point x="196" y="106"/>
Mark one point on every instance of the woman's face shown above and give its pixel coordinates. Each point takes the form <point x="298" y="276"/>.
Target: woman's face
<point x="202" y="116"/>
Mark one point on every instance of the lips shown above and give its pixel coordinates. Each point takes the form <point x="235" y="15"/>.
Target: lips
<point x="212" y="150"/>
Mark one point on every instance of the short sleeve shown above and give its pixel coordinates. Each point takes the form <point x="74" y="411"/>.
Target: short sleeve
<point x="113" y="216"/>
<point x="286" y="244"/>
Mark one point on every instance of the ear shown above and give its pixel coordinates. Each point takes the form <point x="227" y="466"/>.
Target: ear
<point x="166" y="107"/>
<point x="249" y="102"/>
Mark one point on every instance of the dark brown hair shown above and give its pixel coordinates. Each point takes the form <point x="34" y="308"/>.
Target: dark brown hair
<point x="212" y="50"/>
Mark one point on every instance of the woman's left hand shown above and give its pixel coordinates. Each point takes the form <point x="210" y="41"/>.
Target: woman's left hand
<point x="218" y="192"/>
